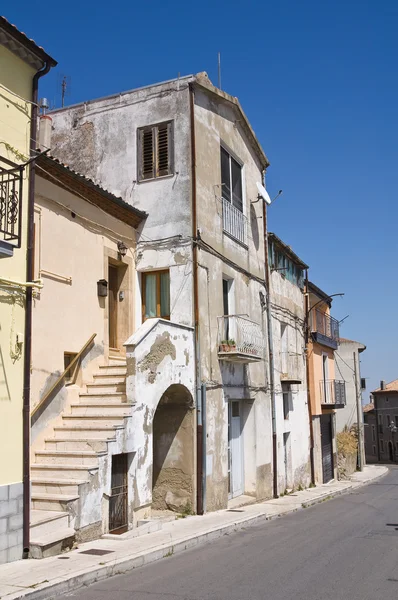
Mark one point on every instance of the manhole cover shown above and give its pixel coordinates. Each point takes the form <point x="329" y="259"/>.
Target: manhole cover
<point x="97" y="552"/>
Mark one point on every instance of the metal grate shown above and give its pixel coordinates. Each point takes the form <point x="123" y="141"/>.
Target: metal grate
<point x="11" y="176"/>
<point x="97" y="552"/>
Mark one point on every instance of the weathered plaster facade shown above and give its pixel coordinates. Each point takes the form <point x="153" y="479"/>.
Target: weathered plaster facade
<point x="345" y="367"/>
<point x="100" y="138"/>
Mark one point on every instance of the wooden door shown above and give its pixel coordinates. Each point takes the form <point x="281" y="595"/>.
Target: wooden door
<point x="113" y="289"/>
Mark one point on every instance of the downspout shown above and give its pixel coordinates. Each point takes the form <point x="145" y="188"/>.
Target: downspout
<point x="270" y="357"/>
<point x="28" y="315"/>
<point x="200" y="441"/>
<point x="309" y="396"/>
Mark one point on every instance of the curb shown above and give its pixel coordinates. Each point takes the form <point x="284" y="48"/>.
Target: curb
<point x="85" y="578"/>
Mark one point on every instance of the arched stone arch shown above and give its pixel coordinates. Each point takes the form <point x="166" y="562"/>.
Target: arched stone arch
<point x="173" y="451"/>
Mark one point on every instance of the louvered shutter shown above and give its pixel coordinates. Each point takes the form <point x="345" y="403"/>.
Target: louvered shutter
<point x="147" y="154"/>
<point x="163" y="149"/>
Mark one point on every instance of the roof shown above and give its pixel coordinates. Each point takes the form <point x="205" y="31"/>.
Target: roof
<point x="23" y="46"/>
<point x="287" y="250"/>
<point x="53" y="170"/>
<point x="368" y="407"/>
<point x="202" y="81"/>
<point x="390" y="387"/>
<point x="314" y="289"/>
<point x="347" y="341"/>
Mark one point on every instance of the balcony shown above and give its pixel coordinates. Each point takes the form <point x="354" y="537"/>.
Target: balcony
<point x="11" y="176"/>
<point x="234" y="222"/>
<point x="325" y="329"/>
<point x="292" y="367"/>
<point x="332" y="393"/>
<point x="239" y="339"/>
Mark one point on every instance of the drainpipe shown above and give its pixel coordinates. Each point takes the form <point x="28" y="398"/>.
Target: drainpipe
<point x="307" y="364"/>
<point x="28" y="313"/>
<point x="270" y="357"/>
<point x="200" y="441"/>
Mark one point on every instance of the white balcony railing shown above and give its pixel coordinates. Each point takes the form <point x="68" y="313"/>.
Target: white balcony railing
<point x="239" y="336"/>
<point x="234" y="222"/>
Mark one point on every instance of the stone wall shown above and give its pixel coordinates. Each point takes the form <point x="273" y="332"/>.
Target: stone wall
<point x="11" y="522"/>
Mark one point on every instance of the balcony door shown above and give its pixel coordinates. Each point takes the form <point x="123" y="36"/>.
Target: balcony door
<point x="325" y="383"/>
<point x="228" y="307"/>
<point x="235" y="454"/>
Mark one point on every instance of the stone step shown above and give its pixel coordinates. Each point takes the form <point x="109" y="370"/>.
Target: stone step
<point x="112" y="370"/>
<point x="112" y="408"/>
<point x="65" y="443"/>
<point x="82" y="420"/>
<point x="52" y="544"/>
<point x="106" y="387"/>
<point x="117" y="361"/>
<point x="103" y="397"/>
<point x="65" y="471"/>
<point x="66" y="457"/>
<point x="40" y="485"/>
<point x="105" y="378"/>
<point x="103" y="431"/>
<point x="56" y="502"/>
<point x="43" y="522"/>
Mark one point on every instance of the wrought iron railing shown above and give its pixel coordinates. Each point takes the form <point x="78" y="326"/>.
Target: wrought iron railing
<point x="332" y="392"/>
<point x="240" y="335"/>
<point x="234" y="222"/>
<point x="325" y="325"/>
<point x="11" y="177"/>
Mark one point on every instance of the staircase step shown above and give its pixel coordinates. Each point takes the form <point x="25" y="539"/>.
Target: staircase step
<point x="108" y="378"/>
<point x="43" y="522"/>
<point x="66" y="457"/>
<point x="112" y="370"/>
<point x="106" y="387"/>
<point x="87" y="432"/>
<point x="103" y="396"/>
<point x="52" y="544"/>
<point x="40" y="485"/>
<point x="82" y="420"/>
<point x="65" y="443"/>
<point x="65" y="471"/>
<point x="50" y="502"/>
<point x="118" y="408"/>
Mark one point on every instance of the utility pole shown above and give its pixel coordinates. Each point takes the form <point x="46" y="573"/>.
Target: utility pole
<point x="361" y="453"/>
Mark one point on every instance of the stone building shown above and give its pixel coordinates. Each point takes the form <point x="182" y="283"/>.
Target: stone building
<point x="184" y="152"/>
<point x="382" y="423"/>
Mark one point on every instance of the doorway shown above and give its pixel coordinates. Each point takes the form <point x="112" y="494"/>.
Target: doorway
<point x="327" y="448"/>
<point x="118" y="501"/>
<point x="235" y="455"/>
<point x="119" y="294"/>
<point x="286" y="456"/>
<point x="113" y="285"/>
<point x="390" y="452"/>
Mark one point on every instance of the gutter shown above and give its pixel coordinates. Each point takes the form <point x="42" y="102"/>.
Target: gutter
<point x="307" y="366"/>
<point x="270" y="357"/>
<point x="200" y="393"/>
<point x="28" y="311"/>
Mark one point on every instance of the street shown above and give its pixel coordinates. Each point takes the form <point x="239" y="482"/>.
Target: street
<point x="346" y="548"/>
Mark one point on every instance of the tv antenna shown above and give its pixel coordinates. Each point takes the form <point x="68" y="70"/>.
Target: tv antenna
<point x="64" y="82"/>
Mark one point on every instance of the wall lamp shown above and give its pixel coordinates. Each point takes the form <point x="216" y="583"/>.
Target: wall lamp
<point x="122" y="249"/>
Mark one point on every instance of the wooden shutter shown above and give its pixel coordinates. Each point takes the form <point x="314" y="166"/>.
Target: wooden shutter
<point x="147" y="154"/>
<point x="163" y="149"/>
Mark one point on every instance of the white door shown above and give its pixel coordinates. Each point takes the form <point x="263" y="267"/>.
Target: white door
<point x="235" y="450"/>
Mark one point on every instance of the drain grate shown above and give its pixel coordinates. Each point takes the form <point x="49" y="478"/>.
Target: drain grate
<point x="63" y="557"/>
<point x="97" y="552"/>
<point x="234" y="510"/>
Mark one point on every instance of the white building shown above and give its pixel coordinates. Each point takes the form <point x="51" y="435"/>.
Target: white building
<point x="348" y="367"/>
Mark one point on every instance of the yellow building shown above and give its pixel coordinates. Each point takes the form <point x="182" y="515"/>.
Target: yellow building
<point x="326" y="393"/>
<point x="22" y="63"/>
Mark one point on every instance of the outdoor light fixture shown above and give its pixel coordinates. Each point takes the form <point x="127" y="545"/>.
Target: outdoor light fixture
<point x="122" y="249"/>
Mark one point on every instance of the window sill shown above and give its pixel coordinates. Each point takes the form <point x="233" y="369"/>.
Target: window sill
<point x="156" y="178"/>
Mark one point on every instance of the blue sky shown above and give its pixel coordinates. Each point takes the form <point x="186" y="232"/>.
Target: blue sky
<point x="319" y="83"/>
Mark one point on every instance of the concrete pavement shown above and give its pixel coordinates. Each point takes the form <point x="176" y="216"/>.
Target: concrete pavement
<point x="54" y="576"/>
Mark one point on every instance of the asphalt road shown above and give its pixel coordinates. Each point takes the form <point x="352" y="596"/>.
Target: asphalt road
<point x="346" y="548"/>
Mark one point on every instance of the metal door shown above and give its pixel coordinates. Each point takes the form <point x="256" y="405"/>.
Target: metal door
<point x="235" y="450"/>
<point x="118" y="519"/>
<point x="327" y="448"/>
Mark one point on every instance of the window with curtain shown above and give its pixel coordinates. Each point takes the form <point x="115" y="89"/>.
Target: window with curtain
<point x="156" y="295"/>
<point x="231" y="179"/>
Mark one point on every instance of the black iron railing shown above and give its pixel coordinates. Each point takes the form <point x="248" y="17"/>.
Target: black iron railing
<point x="325" y="329"/>
<point x="11" y="177"/>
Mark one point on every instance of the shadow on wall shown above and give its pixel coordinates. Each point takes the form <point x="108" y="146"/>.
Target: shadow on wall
<point x="173" y="451"/>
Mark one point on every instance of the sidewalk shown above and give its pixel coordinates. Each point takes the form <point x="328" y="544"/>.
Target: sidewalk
<point x="47" y="578"/>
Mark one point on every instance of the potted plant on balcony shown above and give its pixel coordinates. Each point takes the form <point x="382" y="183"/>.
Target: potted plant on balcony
<point x="231" y="346"/>
<point x="223" y="347"/>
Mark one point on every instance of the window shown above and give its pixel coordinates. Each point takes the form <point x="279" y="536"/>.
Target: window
<point x="284" y="348"/>
<point x="380" y="417"/>
<point x="381" y="446"/>
<point x="388" y="420"/>
<point x="373" y="433"/>
<point x="374" y="449"/>
<point x="231" y="179"/>
<point x="70" y="375"/>
<point x="287" y="394"/>
<point x="156" y="295"/>
<point x="155" y="151"/>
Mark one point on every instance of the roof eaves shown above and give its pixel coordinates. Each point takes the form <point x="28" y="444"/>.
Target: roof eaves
<point x="320" y="293"/>
<point x="27" y="42"/>
<point x="202" y="80"/>
<point x="287" y="249"/>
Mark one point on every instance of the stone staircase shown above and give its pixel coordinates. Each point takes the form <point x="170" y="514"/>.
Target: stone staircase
<point x="66" y="471"/>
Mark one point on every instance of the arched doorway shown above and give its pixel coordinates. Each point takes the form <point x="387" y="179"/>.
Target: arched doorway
<point x="173" y="451"/>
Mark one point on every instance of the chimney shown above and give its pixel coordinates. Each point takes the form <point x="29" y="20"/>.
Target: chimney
<point x="45" y="129"/>
<point x="382" y="384"/>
